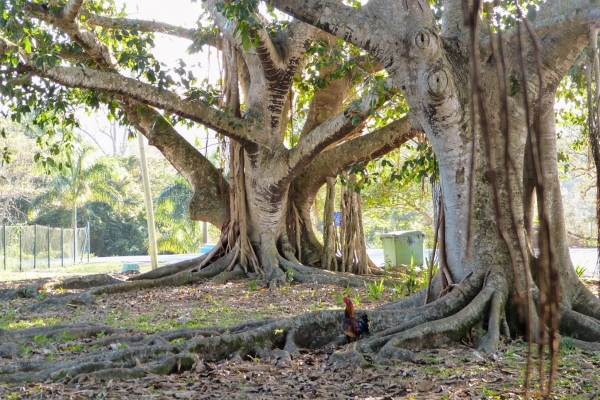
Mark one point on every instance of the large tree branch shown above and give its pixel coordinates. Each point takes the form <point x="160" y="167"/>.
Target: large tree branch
<point x="558" y="52"/>
<point x="330" y="131"/>
<point x="198" y="36"/>
<point x="360" y="149"/>
<point x="70" y="10"/>
<point x="141" y="25"/>
<point x="563" y="20"/>
<point x="117" y="84"/>
<point x="211" y="192"/>
<point x="329" y="101"/>
<point x="561" y="46"/>
<point x="211" y="200"/>
<point x="280" y="65"/>
<point x="86" y="39"/>
<point x="297" y="38"/>
<point x="279" y="61"/>
<point x="329" y="15"/>
<point x="452" y="19"/>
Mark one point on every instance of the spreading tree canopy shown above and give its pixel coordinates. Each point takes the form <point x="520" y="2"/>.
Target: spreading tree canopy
<point x="479" y="79"/>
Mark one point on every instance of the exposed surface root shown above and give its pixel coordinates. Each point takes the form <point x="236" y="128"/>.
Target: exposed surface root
<point x="303" y="274"/>
<point x="401" y="321"/>
<point x="592" y="346"/>
<point x="170" y="269"/>
<point x="179" y="350"/>
<point x="78" y="331"/>
<point x="448" y="330"/>
<point x="136" y="355"/>
<point x="86" y="282"/>
<point x="112" y="353"/>
<point x="179" y="279"/>
<point x="26" y="292"/>
<point x="579" y="326"/>
<point x="489" y="342"/>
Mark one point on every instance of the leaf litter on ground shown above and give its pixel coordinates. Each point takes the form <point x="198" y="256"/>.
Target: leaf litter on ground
<point x="448" y="372"/>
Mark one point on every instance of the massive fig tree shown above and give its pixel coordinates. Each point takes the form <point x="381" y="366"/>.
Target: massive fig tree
<point x="485" y="99"/>
<point x="482" y="89"/>
<point x="58" y="54"/>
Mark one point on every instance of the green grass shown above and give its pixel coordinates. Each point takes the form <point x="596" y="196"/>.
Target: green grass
<point x="40" y="340"/>
<point x="64" y="337"/>
<point x="30" y="323"/>
<point x="375" y="290"/>
<point x="56" y="271"/>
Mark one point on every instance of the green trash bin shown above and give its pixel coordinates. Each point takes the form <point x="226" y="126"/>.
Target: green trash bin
<point x="400" y="247"/>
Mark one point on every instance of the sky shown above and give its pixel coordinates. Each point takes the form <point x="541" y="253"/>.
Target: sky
<point x="176" y="12"/>
<point x="168" y="50"/>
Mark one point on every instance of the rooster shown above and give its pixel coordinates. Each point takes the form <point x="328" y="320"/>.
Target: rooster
<point x="351" y="326"/>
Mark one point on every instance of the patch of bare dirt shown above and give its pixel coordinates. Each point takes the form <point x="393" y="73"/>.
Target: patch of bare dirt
<point x="457" y="372"/>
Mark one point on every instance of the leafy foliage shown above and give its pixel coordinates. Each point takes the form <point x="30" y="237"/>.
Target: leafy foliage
<point x="241" y="12"/>
<point x="179" y="234"/>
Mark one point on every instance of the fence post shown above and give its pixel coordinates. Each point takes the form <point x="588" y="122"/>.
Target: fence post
<point x="88" y="240"/>
<point x="20" y="248"/>
<point x="4" y="243"/>
<point x="48" y="247"/>
<point x="62" y="247"/>
<point x="34" y="245"/>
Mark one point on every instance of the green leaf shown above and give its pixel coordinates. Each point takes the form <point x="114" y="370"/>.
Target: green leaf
<point x="6" y="155"/>
<point x="27" y="45"/>
<point x="246" y="42"/>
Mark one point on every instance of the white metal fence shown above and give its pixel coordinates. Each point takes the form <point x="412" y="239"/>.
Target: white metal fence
<point x="37" y="246"/>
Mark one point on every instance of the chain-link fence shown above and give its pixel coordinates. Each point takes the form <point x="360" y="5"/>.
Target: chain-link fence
<point x="36" y="246"/>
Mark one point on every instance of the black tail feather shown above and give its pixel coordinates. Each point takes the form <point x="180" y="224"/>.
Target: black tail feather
<point x="363" y="325"/>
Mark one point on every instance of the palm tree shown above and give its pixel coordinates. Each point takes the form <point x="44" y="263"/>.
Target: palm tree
<point x="180" y="233"/>
<point x="80" y="182"/>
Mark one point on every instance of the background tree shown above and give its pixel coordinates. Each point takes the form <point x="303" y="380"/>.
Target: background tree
<point x="19" y="183"/>
<point x="254" y="215"/>
<point x="80" y="182"/>
<point x="178" y="233"/>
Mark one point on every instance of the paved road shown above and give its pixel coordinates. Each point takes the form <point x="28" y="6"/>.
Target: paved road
<point x="580" y="256"/>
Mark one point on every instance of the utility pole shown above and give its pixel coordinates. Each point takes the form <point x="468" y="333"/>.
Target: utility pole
<point x="148" y="199"/>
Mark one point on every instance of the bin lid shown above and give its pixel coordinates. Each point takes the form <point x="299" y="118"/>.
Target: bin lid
<point x="402" y="233"/>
